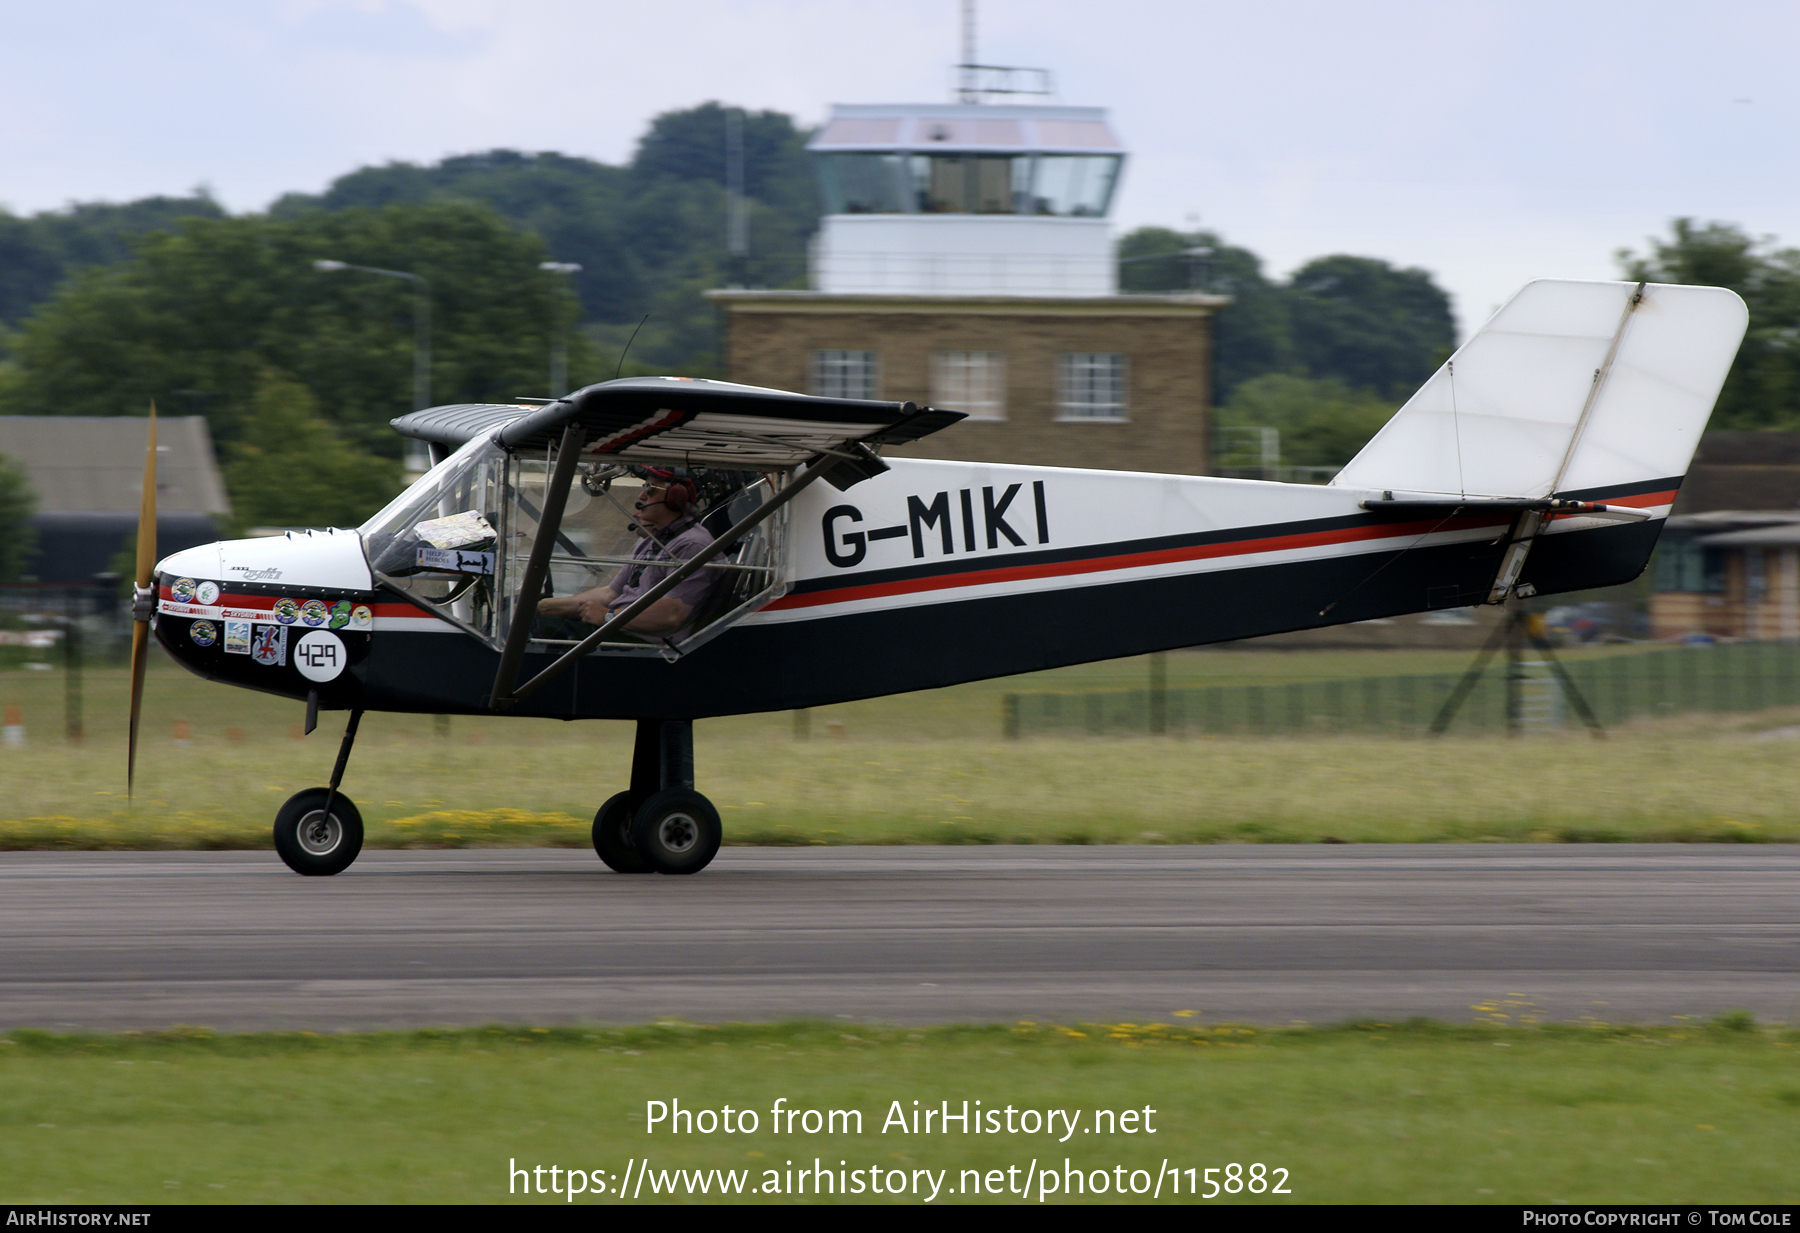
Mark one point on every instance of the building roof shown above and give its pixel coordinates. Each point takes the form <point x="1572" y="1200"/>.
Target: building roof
<point x="95" y="464"/>
<point x="1739" y="471"/>
<point x="1779" y="535"/>
<point x="1183" y="304"/>
<point x="966" y="127"/>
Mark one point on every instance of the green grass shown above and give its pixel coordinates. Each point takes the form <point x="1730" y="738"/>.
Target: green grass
<point x="1414" y="1113"/>
<point x="919" y="768"/>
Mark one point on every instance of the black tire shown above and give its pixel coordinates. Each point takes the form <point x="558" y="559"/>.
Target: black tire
<point x="312" y="844"/>
<point x="677" y="831"/>
<point x="612" y="837"/>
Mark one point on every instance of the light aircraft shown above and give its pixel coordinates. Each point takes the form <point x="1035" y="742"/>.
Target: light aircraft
<point x="1542" y="457"/>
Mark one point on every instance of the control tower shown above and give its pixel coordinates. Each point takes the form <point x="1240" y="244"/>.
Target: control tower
<point x="965" y="259"/>
<point x="963" y="198"/>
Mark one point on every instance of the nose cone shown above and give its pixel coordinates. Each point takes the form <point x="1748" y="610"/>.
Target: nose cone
<point x="288" y="614"/>
<point x="333" y="560"/>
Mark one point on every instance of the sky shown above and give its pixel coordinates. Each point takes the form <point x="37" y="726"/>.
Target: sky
<point x="1486" y="142"/>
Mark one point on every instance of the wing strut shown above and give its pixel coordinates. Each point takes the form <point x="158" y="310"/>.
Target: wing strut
<point x="1531" y="523"/>
<point x="820" y="469"/>
<point x="568" y="453"/>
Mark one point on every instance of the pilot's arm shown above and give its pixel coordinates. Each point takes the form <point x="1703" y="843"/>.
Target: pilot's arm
<point x="592" y="607"/>
<point x="589" y="606"/>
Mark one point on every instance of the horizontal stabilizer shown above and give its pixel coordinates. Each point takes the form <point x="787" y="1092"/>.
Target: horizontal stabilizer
<point x="1570" y="387"/>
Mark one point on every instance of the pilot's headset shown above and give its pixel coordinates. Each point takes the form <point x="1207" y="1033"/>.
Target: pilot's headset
<point x="679" y="490"/>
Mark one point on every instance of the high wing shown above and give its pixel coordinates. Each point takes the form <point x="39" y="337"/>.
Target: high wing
<point x="685" y="422"/>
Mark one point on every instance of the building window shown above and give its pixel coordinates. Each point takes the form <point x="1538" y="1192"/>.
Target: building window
<point x="1091" y="386"/>
<point x="846" y="374"/>
<point x="973" y="382"/>
<point x="1683" y="565"/>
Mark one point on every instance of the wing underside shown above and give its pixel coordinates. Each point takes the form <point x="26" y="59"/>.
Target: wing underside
<point x="673" y="420"/>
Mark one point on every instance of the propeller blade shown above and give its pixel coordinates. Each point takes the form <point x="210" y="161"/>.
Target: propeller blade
<point x="143" y="601"/>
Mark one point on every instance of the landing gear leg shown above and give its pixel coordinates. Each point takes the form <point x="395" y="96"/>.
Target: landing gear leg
<point x="669" y="827"/>
<point x="318" y="831"/>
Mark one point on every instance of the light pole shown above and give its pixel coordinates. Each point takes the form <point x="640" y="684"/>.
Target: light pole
<point x="416" y="458"/>
<point x="559" y="341"/>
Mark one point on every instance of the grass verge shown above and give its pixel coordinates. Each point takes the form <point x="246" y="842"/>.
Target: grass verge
<point x="917" y="769"/>
<point x="1415" y="1112"/>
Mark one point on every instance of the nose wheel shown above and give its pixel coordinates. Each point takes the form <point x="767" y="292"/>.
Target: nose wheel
<point x="315" y="842"/>
<point x="319" y="831"/>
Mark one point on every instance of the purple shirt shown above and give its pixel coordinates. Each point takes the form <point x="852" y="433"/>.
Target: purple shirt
<point x="681" y="539"/>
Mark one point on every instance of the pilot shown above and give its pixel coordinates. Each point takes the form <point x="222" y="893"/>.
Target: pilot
<point x="670" y="533"/>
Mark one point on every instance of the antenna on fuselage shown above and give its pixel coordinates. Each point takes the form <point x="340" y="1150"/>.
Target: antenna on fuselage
<point x="627" y="351"/>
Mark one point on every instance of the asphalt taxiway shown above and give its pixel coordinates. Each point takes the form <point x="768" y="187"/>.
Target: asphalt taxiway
<point x="1259" y="934"/>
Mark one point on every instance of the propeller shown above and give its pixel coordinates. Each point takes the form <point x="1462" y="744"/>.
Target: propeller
<point x="143" y="602"/>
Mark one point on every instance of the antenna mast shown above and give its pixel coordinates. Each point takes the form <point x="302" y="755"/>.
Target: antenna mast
<point x="975" y="81"/>
<point x="971" y="75"/>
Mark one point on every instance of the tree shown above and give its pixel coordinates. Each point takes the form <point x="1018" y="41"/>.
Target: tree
<point x="1322" y="423"/>
<point x="1762" y="389"/>
<point x="17" y="504"/>
<point x="197" y="317"/>
<point x="291" y="468"/>
<point x="1361" y="321"/>
<point x="1250" y="337"/>
<point x="650" y="237"/>
<point x="1356" y="320"/>
<point x="38" y="253"/>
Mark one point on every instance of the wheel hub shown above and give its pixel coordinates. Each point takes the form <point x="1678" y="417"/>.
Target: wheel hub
<point x="319" y="835"/>
<point x="678" y="833"/>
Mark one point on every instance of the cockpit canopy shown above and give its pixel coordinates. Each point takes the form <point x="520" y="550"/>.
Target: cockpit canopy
<point x="458" y="540"/>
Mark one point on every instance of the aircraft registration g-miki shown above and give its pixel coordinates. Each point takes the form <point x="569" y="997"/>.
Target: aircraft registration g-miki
<point x="783" y="563"/>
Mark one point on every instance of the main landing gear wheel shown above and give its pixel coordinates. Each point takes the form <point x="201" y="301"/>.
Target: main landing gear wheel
<point x="312" y="843"/>
<point x="677" y="830"/>
<point x="612" y="837"/>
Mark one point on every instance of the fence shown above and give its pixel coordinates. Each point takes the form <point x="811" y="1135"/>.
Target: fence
<point x="56" y="625"/>
<point x="1743" y="676"/>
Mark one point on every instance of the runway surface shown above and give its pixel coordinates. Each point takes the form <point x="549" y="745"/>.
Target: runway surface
<point x="1259" y="934"/>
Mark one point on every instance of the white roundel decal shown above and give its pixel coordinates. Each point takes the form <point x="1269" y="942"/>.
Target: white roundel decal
<point x="320" y="655"/>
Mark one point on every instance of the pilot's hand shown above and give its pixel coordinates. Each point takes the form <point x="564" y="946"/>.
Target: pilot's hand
<point x="592" y="611"/>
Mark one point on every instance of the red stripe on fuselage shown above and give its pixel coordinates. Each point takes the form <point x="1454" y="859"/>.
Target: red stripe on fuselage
<point x="851" y="592"/>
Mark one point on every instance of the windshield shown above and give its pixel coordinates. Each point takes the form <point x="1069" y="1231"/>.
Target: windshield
<point x="437" y="541"/>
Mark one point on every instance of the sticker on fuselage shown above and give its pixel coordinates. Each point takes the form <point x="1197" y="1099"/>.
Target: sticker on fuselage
<point x="237" y="637"/>
<point x="206" y="593"/>
<point x="340" y="614"/>
<point x="361" y="617"/>
<point x="286" y="611"/>
<point x="313" y="614"/>
<point x="203" y="633"/>
<point x="183" y="590"/>
<point x="319" y="655"/>
<point x="269" y="645"/>
<point x="456" y="560"/>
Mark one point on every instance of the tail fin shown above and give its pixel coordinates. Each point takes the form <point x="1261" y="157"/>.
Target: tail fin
<point x="1572" y="387"/>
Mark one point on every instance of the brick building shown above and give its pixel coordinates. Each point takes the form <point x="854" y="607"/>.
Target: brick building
<point x="1728" y="563"/>
<point x="965" y="260"/>
<point x="1117" y="382"/>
